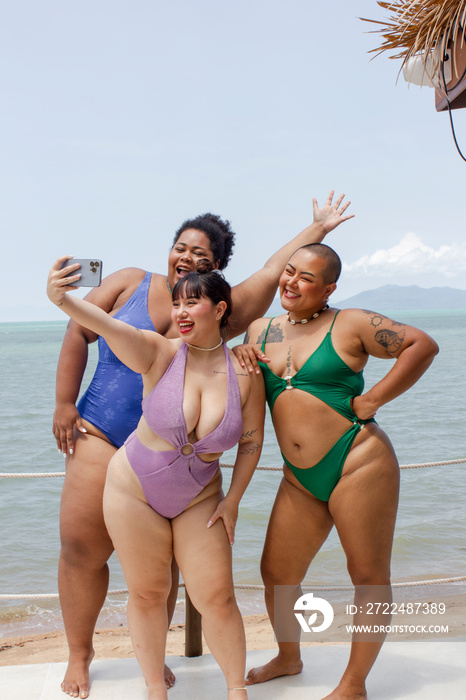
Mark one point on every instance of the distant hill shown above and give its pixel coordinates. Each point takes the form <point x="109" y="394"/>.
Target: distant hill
<point x="393" y="297"/>
<point x="412" y="298"/>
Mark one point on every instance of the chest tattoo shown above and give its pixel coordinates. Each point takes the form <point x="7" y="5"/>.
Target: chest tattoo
<point x="274" y="335"/>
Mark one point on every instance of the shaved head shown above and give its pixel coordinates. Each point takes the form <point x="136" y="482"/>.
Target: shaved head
<point x="332" y="269"/>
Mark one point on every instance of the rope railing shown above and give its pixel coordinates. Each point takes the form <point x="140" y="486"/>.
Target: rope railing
<point x="32" y="475"/>
<point x="42" y="475"/>
<point x="250" y="587"/>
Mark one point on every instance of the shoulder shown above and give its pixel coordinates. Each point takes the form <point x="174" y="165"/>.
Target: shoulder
<point x="258" y="324"/>
<point x="368" y="321"/>
<point x="127" y="273"/>
<point x="171" y="346"/>
<point x="159" y="283"/>
<point x="134" y="275"/>
<point x="121" y="280"/>
<point x="271" y="330"/>
<point x="347" y="313"/>
<point x="164" y="352"/>
<point x="113" y="286"/>
<point x="261" y="326"/>
<point x="116" y="288"/>
<point x="373" y="333"/>
<point x="363" y="318"/>
<point x="389" y="333"/>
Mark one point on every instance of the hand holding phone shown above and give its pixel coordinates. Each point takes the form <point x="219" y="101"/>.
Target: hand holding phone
<point x="90" y="271"/>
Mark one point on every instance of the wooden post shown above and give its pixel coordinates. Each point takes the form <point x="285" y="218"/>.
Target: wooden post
<point x="193" y="629"/>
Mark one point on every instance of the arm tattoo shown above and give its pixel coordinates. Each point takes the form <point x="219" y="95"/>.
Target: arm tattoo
<point x="390" y="340"/>
<point x="250" y="449"/>
<point x="275" y="335"/>
<point x="246" y="340"/>
<point x="377" y="319"/>
<point x="248" y="434"/>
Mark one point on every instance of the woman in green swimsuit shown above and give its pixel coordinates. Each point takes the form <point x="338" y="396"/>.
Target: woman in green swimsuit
<point x="340" y="468"/>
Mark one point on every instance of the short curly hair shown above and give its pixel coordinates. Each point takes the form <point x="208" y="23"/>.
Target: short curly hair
<point x="219" y="233"/>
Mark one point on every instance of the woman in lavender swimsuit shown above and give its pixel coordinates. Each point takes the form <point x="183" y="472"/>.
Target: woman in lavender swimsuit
<point x="89" y="434"/>
<point x="163" y="492"/>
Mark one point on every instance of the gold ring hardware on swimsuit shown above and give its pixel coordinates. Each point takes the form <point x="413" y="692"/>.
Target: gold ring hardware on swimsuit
<point x="288" y="382"/>
<point x="305" y="320"/>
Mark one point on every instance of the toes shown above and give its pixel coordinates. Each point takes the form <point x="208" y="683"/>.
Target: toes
<point x="169" y="677"/>
<point x="251" y="677"/>
<point x="69" y="690"/>
<point x="75" y="692"/>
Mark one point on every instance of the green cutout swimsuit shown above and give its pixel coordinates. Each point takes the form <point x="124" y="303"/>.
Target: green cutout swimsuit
<point x="325" y="376"/>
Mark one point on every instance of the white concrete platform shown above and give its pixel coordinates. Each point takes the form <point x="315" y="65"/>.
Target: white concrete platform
<point x="403" y="671"/>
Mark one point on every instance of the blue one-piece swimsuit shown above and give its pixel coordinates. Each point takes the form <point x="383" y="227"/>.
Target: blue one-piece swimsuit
<point x="112" y="401"/>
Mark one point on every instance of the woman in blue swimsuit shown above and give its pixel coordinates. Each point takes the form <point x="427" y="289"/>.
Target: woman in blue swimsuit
<point x="340" y="468"/>
<point x="89" y="435"/>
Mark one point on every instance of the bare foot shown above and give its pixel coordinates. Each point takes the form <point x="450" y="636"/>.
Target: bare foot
<point x="347" y="692"/>
<point x="237" y="694"/>
<point x="275" y="668"/>
<point x="169" y="677"/>
<point x="76" y="680"/>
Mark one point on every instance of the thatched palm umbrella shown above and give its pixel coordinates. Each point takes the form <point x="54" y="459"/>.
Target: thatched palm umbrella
<point x="418" y="26"/>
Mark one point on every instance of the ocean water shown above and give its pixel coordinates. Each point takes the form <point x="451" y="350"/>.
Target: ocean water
<point x="425" y="424"/>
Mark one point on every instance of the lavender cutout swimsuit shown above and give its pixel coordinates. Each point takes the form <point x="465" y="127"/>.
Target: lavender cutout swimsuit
<point x="170" y="479"/>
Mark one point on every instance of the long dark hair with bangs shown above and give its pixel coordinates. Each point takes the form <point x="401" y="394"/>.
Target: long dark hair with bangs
<point x="205" y="282"/>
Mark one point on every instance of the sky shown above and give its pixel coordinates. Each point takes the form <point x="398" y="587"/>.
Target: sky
<point x="120" y="120"/>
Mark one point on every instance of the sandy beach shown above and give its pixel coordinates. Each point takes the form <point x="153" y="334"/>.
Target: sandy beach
<point x="115" y="643"/>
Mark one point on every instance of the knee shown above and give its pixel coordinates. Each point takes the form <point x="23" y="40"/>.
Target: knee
<point x="146" y="596"/>
<point x="369" y="573"/>
<point x="75" y="549"/>
<point x="216" y="599"/>
<point x="79" y="552"/>
<point x="274" y="575"/>
<point x="269" y="574"/>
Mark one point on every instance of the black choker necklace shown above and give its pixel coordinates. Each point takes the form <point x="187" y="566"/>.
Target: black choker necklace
<point x="305" y="320"/>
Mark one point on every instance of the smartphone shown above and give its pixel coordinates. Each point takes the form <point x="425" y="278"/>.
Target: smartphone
<point x="90" y="271"/>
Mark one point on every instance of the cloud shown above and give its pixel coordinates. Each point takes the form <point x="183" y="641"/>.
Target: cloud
<point x="411" y="255"/>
